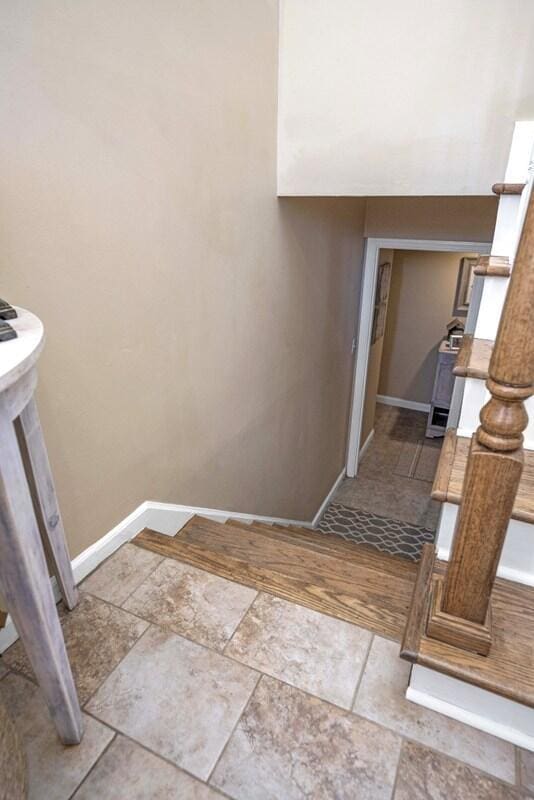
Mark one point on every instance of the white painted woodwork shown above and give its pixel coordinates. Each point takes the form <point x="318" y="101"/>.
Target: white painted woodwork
<point x="477" y="707"/>
<point x="18" y="355"/>
<point x="50" y="517"/>
<point x="517" y="558"/>
<point x="24" y="579"/>
<point x="455" y="698"/>
<point x="365" y="321"/>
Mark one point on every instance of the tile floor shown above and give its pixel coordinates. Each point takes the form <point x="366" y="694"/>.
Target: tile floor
<point x="197" y="688"/>
<point x="390" y="482"/>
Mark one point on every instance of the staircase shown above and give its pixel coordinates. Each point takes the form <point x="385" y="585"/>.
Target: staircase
<point x="465" y="614"/>
<point x="469" y="625"/>
<point x="319" y="570"/>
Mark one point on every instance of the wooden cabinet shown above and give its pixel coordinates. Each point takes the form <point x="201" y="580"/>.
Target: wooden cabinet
<point x="442" y="392"/>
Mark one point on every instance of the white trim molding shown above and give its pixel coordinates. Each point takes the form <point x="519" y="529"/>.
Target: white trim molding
<point x="367" y="298"/>
<point x="166" y="518"/>
<point x="365" y="446"/>
<point x="326" y="501"/>
<point x="400" y="402"/>
<point x="473" y="706"/>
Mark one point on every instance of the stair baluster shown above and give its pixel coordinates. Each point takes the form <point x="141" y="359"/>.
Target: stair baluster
<point x="460" y="603"/>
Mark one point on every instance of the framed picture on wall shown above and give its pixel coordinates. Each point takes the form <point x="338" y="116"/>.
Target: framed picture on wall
<point x="464" y="286"/>
<point x="383" y="281"/>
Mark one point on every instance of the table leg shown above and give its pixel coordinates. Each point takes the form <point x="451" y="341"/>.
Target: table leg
<point x="46" y="494"/>
<point x="28" y="592"/>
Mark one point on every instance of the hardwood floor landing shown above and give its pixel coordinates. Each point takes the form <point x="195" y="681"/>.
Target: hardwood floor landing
<point x="350" y="582"/>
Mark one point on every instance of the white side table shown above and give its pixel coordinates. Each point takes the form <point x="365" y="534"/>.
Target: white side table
<point x="24" y="578"/>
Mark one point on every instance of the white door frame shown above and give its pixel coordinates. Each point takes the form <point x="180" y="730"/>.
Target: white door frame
<point x="367" y="299"/>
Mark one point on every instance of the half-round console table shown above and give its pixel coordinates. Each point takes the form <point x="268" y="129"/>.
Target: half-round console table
<point x="24" y="577"/>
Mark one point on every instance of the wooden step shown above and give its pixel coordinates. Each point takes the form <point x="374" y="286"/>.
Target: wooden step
<point x="508" y="188"/>
<point x="361" y="586"/>
<point x="328" y="544"/>
<point x="508" y="669"/>
<point x="448" y="482"/>
<point x="493" y="266"/>
<point x="473" y="358"/>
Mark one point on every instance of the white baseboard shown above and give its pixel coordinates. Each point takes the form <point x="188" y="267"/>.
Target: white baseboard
<point x="365" y="445"/>
<point x="166" y="518"/>
<point x="503" y="571"/>
<point x="473" y="706"/>
<point x="517" y="558"/>
<point x="400" y="402"/>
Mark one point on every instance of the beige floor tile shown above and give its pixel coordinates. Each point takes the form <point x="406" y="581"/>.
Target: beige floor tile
<point x="290" y="746"/>
<point x="3" y="669"/>
<point x="97" y="636"/>
<point x="179" y="699"/>
<point x="427" y="775"/>
<point x="192" y="602"/>
<point x="309" y="650"/>
<point x="526" y="769"/>
<point x="117" y="577"/>
<point x="381" y="698"/>
<point x="128" y="771"/>
<point x="54" y="771"/>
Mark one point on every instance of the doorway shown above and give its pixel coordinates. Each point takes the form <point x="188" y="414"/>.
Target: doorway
<point x="403" y="398"/>
<point x="373" y="248"/>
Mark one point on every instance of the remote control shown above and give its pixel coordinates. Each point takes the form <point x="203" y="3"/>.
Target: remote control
<point x="7" y="332"/>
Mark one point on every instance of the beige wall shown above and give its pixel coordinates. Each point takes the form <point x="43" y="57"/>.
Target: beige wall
<point x="198" y="329"/>
<point x="401" y="98"/>
<point x="421" y="301"/>
<point x="373" y="371"/>
<point x="470" y="219"/>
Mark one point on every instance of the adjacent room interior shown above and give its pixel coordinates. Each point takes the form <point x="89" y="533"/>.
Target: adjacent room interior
<point x="420" y="310"/>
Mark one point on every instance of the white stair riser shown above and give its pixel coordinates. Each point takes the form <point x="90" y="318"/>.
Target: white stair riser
<point x="491" y="305"/>
<point x="506" y="226"/>
<point x="475" y="396"/>
<point x="517" y="559"/>
<point x="474" y="706"/>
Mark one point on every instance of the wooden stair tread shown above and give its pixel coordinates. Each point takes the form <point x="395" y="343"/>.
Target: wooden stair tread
<point x="508" y="188"/>
<point x="356" y="590"/>
<point x="448" y="482"/>
<point x="332" y="545"/>
<point x="473" y="358"/>
<point x="493" y="266"/>
<point x="508" y="669"/>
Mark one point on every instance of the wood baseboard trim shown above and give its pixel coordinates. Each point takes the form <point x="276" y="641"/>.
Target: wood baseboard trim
<point x="452" y="630"/>
<point x="400" y="402"/>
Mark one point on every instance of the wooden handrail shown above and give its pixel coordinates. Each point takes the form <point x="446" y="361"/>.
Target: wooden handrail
<point x="460" y="609"/>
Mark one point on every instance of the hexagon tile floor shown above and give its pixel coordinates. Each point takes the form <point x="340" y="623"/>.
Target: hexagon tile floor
<point x="388" y="535"/>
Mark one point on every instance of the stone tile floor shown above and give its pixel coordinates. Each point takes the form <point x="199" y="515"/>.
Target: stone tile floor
<point x="382" y="485"/>
<point x="197" y="688"/>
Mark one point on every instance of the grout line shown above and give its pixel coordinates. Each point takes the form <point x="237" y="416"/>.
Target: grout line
<point x="397" y="769"/>
<point x="223" y="651"/>
<point x="117" y="665"/>
<point x="102" y="754"/>
<point x="154" y="753"/>
<point x="147" y="576"/>
<point x="517" y="765"/>
<point x="360" y="676"/>
<point x="245" y="707"/>
<point x="167" y="629"/>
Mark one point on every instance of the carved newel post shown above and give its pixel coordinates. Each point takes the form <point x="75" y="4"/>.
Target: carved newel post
<point x="460" y="608"/>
